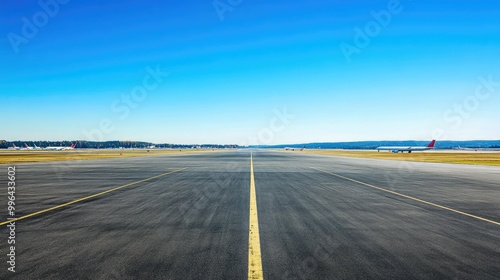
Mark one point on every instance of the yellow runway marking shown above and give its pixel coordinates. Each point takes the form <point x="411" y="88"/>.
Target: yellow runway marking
<point x="254" y="257"/>
<point x="412" y="198"/>
<point x="88" y="197"/>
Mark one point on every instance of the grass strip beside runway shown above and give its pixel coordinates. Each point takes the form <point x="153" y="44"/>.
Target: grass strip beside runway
<point x="12" y="157"/>
<point x="477" y="158"/>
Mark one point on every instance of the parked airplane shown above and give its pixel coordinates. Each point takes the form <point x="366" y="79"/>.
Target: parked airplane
<point x="36" y="147"/>
<point x="14" y="147"/>
<point x="27" y="147"/>
<point x="59" y="148"/>
<point x="293" y="149"/>
<point x="409" y="149"/>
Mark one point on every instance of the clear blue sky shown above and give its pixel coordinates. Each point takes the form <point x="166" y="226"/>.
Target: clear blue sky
<point x="66" y="68"/>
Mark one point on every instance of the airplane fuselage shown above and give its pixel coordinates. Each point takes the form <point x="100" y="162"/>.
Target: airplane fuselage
<point x="409" y="149"/>
<point x="397" y="149"/>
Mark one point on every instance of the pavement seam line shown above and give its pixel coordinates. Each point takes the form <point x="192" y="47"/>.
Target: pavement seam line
<point x="88" y="197"/>
<point x="254" y="256"/>
<point x="412" y="198"/>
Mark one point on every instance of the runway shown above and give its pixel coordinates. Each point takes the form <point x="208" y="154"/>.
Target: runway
<point x="189" y="217"/>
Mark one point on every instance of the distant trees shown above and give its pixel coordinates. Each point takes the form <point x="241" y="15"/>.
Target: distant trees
<point x="109" y="144"/>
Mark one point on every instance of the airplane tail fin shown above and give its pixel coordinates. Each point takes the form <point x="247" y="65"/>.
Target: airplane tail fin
<point x="73" y="145"/>
<point x="431" y="144"/>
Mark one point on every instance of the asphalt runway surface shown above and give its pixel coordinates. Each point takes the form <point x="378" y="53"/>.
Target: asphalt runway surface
<point x="187" y="217"/>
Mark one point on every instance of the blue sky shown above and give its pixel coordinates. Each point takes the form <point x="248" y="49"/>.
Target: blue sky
<point x="257" y="72"/>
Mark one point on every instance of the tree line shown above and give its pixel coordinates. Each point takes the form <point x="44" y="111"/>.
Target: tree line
<point x="109" y="145"/>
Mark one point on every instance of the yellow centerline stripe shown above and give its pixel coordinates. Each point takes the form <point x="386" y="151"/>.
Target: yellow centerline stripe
<point x="89" y="197"/>
<point x="412" y="198"/>
<point x="254" y="257"/>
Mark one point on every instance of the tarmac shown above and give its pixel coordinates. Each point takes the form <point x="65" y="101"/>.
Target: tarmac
<point x="187" y="217"/>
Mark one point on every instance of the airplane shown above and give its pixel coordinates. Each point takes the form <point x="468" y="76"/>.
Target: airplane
<point x="36" y="147"/>
<point x="293" y="149"/>
<point x="409" y="149"/>
<point x="27" y="147"/>
<point x="14" y="147"/>
<point x="59" y="148"/>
